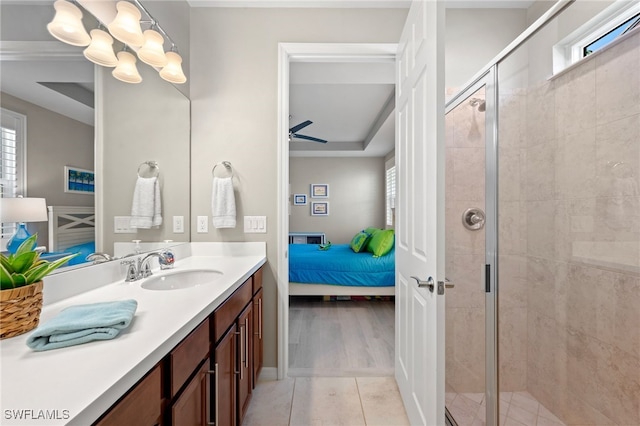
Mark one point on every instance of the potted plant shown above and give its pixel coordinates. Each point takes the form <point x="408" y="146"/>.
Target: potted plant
<point x="21" y="287"/>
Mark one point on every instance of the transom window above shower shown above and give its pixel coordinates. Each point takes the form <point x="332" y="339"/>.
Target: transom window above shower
<point x="604" y="29"/>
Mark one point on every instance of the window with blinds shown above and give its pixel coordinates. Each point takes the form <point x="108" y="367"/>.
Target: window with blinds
<point x="391" y="194"/>
<point x="12" y="161"/>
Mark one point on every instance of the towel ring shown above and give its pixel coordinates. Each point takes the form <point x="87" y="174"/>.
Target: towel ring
<point x="227" y="166"/>
<point x="153" y="166"/>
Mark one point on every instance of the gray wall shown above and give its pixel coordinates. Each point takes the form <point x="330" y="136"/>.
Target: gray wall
<point x="234" y="93"/>
<point x="141" y="122"/>
<point x="356" y="195"/>
<point x="53" y="141"/>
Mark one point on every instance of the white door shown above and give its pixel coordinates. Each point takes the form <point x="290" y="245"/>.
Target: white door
<point x="420" y="349"/>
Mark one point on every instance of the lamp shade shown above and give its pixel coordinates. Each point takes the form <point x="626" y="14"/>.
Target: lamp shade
<point x="67" y="24"/>
<point x="172" y="72"/>
<point x="126" y="70"/>
<point x="126" y="26"/>
<point x="152" y="51"/>
<point x="100" y="51"/>
<point x="23" y="210"/>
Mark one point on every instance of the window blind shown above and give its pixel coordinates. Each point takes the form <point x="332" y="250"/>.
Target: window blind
<point x="390" y="194"/>
<point x="11" y="161"/>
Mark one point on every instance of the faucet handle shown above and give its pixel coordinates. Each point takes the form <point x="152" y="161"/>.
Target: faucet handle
<point x="132" y="273"/>
<point x="167" y="259"/>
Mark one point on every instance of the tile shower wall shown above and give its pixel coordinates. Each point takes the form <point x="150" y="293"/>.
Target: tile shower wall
<point x="570" y="239"/>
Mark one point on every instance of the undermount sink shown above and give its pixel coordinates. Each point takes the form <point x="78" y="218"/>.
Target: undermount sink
<point x="181" y="279"/>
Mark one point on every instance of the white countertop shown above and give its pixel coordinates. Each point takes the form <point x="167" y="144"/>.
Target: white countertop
<point x="75" y="385"/>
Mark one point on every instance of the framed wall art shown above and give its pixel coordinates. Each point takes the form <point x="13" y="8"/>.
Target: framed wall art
<point x="299" y="199"/>
<point x="319" y="190"/>
<point x="79" y="181"/>
<point x="320" y="208"/>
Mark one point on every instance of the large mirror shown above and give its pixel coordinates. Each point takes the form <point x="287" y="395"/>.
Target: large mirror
<point x="79" y="119"/>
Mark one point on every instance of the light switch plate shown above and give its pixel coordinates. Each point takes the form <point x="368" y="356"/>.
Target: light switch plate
<point x="178" y="224"/>
<point x="255" y="224"/>
<point x="122" y="225"/>
<point x="203" y="224"/>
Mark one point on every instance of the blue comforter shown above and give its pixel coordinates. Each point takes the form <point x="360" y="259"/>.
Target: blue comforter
<point x="340" y="266"/>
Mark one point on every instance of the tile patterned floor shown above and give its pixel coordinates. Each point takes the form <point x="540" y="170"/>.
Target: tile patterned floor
<point x="516" y="409"/>
<point x="307" y="401"/>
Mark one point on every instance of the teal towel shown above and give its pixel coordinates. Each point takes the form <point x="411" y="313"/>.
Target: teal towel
<point x="83" y="323"/>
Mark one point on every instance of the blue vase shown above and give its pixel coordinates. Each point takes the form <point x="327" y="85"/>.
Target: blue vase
<point x="18" y="238"/>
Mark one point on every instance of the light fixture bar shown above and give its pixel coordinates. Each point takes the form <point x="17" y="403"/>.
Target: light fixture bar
<point x="154" y="21"/>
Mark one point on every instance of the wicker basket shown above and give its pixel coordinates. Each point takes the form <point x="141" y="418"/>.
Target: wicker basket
<point x="20" y="309"/>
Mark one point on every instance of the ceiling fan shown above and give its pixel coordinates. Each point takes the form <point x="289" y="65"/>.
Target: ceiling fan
<point x="294" y="135"/>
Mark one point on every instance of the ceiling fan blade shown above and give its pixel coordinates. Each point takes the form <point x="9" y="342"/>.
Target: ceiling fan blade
<point x="300" y="126"/>
<point x="309" y="138"/>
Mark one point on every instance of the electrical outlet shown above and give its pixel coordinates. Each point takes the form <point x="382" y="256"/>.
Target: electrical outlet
<point x="178" y="224"/>
<point x="203" y="224"/>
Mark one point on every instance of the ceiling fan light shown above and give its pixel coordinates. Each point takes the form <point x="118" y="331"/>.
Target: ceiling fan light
<point x="126" y="70"/>
<point x="100" y="51"/>
<point x="126" y="26"/>
<point x="67" y="26"/>
<point x="152" y="51"/>
<point x="172" y="72"/>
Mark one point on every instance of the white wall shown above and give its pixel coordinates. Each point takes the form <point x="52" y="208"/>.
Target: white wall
<point x="356" y="195"/>
<point x="475" y="36"/>
<point x="234" y="94"/>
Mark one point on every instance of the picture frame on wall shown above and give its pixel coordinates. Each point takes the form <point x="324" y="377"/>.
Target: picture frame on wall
<point x="299" y="199"/>
<point x="320" y="208"/>
<point x="79" y="181"/>
<point x="319" y="190"/>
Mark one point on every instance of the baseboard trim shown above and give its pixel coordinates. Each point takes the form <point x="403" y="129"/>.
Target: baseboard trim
<point x="268" y="373"/>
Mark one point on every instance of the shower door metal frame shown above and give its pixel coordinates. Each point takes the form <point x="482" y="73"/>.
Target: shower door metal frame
<point x="489" y="80"/>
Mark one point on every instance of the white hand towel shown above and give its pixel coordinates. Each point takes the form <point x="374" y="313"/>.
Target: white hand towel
<point x="146" y="206"/>
<point x="223" y="203"/>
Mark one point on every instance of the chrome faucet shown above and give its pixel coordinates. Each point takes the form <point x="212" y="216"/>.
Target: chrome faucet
<point x="99" y="257"/>
<point x="142" y="269"/>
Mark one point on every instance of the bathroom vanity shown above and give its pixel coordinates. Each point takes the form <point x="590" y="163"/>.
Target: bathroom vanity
<point x="190" y="356"/>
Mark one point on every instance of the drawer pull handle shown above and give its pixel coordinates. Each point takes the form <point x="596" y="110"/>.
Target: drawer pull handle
<point x="246" y="344"/>
<point x="215" y="373"/>
<point x="241" y="351"/>
<point x="259" y="332"/>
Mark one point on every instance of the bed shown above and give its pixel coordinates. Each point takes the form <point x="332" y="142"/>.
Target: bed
<point x="339" y="271"/>
<point x="72" y="230"/>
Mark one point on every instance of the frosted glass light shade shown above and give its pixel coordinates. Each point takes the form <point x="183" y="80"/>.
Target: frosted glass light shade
<point x="67" y="26"/>
<point x="126" y="26"/>
<point x="172" y="72"/>
<point x="100" y="51"/>
<point x="152" y="51"/>
<point x="126" y="70"/>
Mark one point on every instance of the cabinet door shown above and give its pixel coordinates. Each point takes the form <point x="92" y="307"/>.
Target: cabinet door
<point x="245" y="326"/>
<point x="258" y="350"/>
<point x="224" y="386"/>
<point x="191" y="407"/>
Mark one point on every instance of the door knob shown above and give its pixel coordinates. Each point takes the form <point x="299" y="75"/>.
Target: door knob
<point x="428" y="283"/>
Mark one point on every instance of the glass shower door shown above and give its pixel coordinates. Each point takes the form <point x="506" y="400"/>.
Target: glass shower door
<point x="465" y="258"/>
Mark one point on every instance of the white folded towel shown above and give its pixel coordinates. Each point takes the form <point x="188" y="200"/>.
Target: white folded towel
<point x="223" y="203"/>
<point x="146" y="206"/>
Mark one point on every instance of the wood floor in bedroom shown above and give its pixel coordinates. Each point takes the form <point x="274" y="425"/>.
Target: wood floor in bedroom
<point x="341" y="338"/>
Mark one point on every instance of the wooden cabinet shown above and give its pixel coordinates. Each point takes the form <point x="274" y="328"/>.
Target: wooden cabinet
<point x="209" y="376"/>
<point x="245" y="360"/>
<point x="142" y="405"/>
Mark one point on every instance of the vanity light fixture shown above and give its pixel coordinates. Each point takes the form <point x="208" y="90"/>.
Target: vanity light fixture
<point x="100" y="51"/>
<point x="126" y="26"/>
<point x="172" y="72"/>
<point x="152" y="51"/>
<point x="67" y="26"/>
<point x="126" y="69"/>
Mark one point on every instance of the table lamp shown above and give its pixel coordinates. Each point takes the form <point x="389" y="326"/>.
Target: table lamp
<point x="22" y="210"/>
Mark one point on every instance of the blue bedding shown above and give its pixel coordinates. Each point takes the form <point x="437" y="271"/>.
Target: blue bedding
<point x="84" y="249"/>
<point x="340" y="266"/>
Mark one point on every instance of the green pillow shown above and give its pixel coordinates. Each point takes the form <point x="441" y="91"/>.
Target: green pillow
<point x="359" y="241"/>
<point x="371" y="230"/>
<point x="381" y="243"/>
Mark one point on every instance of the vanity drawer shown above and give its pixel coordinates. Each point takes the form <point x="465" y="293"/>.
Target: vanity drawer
<point x="186" y="357"/>
<point x="257" y="280"/>
<point x="141" y="405"/>
<point x="226" y="314"/>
